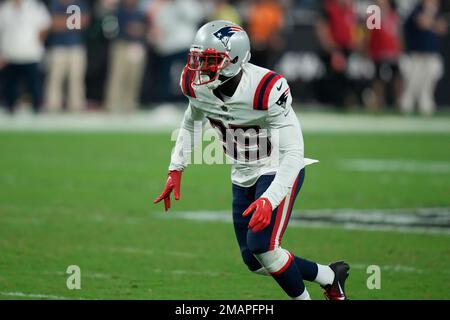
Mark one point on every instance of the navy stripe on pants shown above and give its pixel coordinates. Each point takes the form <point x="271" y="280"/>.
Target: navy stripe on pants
<point x="259" y="242"/>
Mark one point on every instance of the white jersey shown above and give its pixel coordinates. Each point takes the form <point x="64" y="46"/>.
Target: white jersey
<point x="262" y="102"/>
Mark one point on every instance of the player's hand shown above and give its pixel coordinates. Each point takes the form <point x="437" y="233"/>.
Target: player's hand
<point x="173" y="183"/>
<point x="263" y="213"/>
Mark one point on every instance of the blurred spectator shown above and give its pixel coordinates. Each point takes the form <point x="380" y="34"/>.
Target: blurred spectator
<point x="67" y="58"/>
<point x="223" y="10"/>
<point x="265" y="24"/>
<point x="336" y="30"/>
<point x="422" y="31"/>
<point x="127" y="58"/>
<point x="102" y="28"/>
<point x="173" y="24"/>
<point x="23" y="28"/>
<point x="385" y="49"/>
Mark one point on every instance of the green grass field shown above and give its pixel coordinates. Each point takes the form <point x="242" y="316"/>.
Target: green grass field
<point x="85" y="199"/>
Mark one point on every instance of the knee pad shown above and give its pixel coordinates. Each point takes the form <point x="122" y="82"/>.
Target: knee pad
<point x="275" y="260"/>
<point x="261" y="271"/>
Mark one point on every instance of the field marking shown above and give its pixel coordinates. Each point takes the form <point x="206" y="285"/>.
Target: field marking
<point x="413" y="220"/>
<point x="37" y="296"/>
<point x="357" y="266"/>
<point x="394" y="268"/>
<point x="181" y="272"/>
<point x="418" y="220"/>
<point x="93" y="275"/>
<point x="147" y="252"/>
<point x="392" y="165"/>
<point x="167" y="118"/>
<point x="176" y="272"/>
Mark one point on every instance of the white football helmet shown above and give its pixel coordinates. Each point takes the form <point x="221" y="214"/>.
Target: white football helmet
<point x="220" y="48"/>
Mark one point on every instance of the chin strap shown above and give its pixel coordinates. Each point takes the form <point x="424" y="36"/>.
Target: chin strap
<point x="216" y="83"/>
<point x="213" y="84"/>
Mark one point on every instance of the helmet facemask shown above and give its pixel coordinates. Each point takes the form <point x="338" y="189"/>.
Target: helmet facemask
<point x="207" y="65"/>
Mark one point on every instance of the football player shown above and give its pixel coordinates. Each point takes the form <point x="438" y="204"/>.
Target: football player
<point x="250" y="106"/>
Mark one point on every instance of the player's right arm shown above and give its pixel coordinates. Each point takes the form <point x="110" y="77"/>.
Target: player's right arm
<point x="193" y="118"/>
<point x="181" y="154"/>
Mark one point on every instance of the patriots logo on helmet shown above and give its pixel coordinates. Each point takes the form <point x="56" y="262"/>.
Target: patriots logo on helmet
<point x="225" y="33"/>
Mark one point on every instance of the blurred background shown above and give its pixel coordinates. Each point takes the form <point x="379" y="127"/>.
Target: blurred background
<point x="128" y="54"/>
<point x="88" y="107"/>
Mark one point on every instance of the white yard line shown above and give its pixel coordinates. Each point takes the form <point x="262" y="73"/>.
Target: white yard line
<point x="393" y="268"/>
<point x="164" y="119"/>
<point x="407" y="220"/>
<point x="176" y="272"/>
<point x="132" y="250"/>
<point x="181" y="272"/>
<point x="419" y="220"/>
<point x="93" y="275"/>
<point x="388" y="165"/>
<point x="36" y="296"/>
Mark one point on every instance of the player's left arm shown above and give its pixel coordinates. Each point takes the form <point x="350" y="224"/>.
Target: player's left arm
<point x="284" y="127"/>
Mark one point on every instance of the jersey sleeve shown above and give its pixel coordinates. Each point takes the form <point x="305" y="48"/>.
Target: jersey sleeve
<point x="280" y="99"/>
<point x="193" y="120"/>
<point x="284" y="127"/>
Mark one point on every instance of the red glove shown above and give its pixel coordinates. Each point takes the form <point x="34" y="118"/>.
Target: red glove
<point x="261" y="218"/>
<point x="173" y="183"/>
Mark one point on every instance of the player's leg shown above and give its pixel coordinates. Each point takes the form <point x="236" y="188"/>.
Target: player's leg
<point x="270" y="240"/>
<point x="272" y="237"/>
<point x="310" y="271"/>
<point x="242" y="198"/>
<point x="265" y="244"/>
